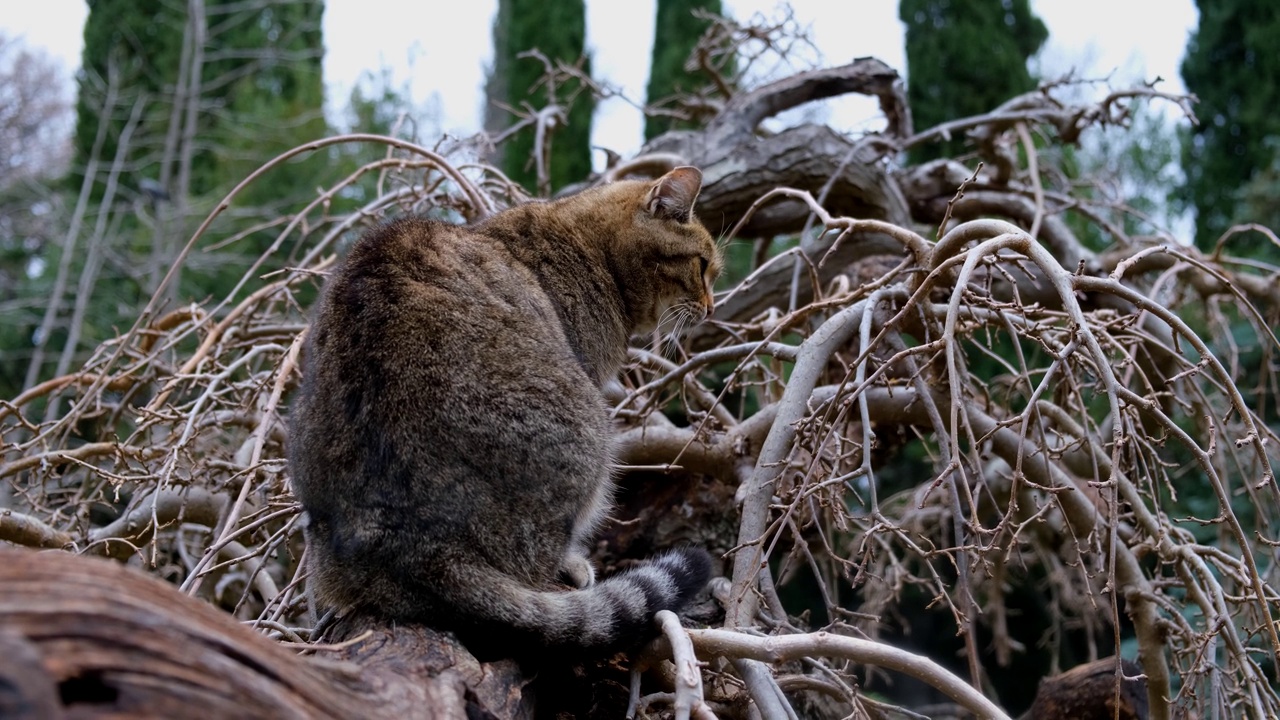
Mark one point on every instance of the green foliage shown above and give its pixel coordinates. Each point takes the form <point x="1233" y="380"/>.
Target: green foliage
<point x="1233" y="67"/>
<point x="258" y="92"/>
<point x="965" y="57"/>
<point x="133" y="44"/>
<point x="1259" y="200"/>
<point x="675" y="34"/>
<point x="276" y="107"/>
<point x="261" y="88"/>
<point x="558" y="29"/>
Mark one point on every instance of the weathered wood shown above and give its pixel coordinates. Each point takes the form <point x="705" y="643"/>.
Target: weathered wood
<point x="89" y="638"/>
<point x="1088" y="692"/>
<point x="807" y="157"/>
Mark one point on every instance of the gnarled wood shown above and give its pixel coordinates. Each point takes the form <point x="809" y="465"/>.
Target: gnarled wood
<point x="84" y="638"/>
<point x="807" y="157"/>
<point x="1088" y="692"/>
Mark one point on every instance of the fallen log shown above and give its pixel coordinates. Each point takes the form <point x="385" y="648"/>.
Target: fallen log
<point x="89" y="638"/>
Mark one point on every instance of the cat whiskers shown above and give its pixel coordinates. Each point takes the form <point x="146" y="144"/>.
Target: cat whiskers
<point x="678" y="318"/>
<point x="658" y="339"/>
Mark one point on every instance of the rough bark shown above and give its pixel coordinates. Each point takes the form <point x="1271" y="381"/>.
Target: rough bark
<point x="88" y="638"/>
<point x="1088" y="692"/>
<point x="807" y="157"/>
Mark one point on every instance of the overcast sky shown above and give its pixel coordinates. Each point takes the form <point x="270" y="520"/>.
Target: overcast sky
<point x="440" y="48"/>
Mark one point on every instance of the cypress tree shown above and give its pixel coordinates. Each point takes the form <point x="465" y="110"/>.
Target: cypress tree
<point x="965" y="57"/>
<point x="676" y="32"/>
<point x="276" y="107"/>
<point x="1233" y="66"/>
<point x="261" y="82"/>
<point x="259" y="91"/>
<point x="557" y="28"/>
<point x="135" y="44"/>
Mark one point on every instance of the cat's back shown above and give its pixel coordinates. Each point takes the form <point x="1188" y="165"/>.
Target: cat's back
<point x="426" y="329"/>
<point x="429" y="302"/>
<point x="431" y="275"/>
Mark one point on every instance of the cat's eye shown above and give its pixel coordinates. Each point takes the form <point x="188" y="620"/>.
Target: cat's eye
<point x="705" y="263"/>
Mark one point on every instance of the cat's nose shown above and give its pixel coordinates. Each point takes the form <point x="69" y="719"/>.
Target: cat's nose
<point x="708" y="305"/>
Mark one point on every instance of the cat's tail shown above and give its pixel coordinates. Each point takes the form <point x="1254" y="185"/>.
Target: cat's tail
<point x="614" y="612"/>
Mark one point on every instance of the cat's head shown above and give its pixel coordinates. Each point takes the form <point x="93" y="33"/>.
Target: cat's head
<point x="666" y="260"/>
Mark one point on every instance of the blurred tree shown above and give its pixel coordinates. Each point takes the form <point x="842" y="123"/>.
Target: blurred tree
<point x="1232" y="65"/>
<point x="35" y="115"/>
<point x="1259" y="199"/>
<point x="137" y="44"/>
<point x="376" y="105"/>
<point x="676" y="32"/>
<point x="965" y="57"/>
<point x="217" y="76"/>
<point x="273" y="99"/>
<point x="558" y="29"/>
<point x="177" y="102"/>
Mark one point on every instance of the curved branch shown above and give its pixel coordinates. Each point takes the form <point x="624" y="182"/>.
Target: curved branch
<point x="136" y="527"/>
<point x="781" y="648"/>
<point x="810" y="362"/>
<point x="865" y="76"/>
<point x="28" y="531"/>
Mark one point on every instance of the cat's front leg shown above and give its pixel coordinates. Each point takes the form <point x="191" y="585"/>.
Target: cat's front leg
<point x="576" y="569"/>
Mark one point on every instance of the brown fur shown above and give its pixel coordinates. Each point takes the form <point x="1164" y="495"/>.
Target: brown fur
<point x="450" y="444"/>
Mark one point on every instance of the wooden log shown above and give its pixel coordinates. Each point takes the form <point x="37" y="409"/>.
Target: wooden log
<point x="1088" y="692"/>
<point x="739" y="162"/>
<point x="89" y="638"/>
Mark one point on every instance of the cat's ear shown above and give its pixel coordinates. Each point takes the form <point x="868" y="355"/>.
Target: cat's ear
<point x="672" y="196"/>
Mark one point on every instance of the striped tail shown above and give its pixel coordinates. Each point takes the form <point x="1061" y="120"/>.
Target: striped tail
<point x="612" y="614"/>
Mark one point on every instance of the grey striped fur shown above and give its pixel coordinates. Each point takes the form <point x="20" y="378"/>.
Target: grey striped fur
<point x="450" y="443"/>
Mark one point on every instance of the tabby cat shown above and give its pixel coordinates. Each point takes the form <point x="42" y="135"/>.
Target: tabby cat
<point x="450" y="443"/>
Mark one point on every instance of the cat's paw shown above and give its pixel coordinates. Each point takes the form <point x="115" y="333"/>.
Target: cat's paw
<point x="576" y="570"/>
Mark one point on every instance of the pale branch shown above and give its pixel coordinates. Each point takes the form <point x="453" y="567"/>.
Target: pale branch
<point x="763" y="688"/>
<point x="846" y="242"/>
<point x="122" y="537"/>
<point x="28" y="531"/>
<point x="782" y="648"/>
<point x="267" y="415"/>
<point x="1206" y="276"/>
<point x="688" y="676"/>
<point x="810" y="363"/>
<point x="902" y="406"/>
<point x="81" y="452"/>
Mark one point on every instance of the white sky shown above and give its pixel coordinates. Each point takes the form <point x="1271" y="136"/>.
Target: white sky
<point x="440" y="48"/>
